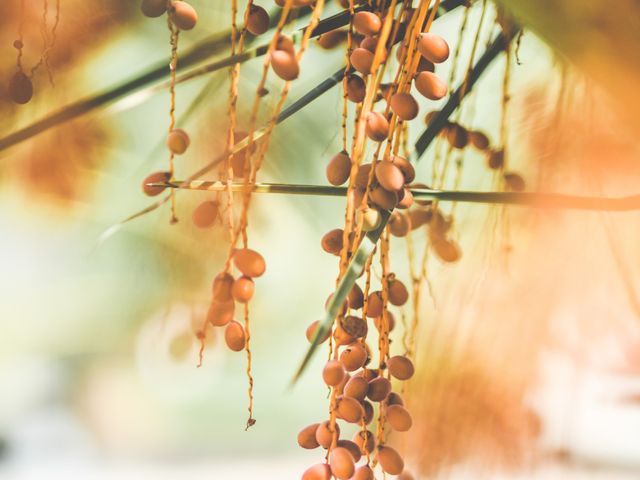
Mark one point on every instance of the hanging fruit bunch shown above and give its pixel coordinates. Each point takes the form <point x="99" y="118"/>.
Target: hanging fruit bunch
<point x="233" y="287"/>
<point x="382" y="92"/>
<point x="364" y="394"/>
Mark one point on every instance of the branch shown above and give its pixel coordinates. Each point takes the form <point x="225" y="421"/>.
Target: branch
<point x="527" y="199"/>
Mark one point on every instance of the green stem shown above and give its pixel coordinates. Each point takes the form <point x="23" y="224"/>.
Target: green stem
<point x="528" y="199"/>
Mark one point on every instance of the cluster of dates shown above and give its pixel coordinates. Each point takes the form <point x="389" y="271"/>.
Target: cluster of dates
<point x="387" y="185"/>
<point x="433" y="49"/>
<point x="227" y="291"/>
<point x="460" y="137"/>
<point x="358" y="388"/>
<point x="379" y="185"/>
<point x="494" y="156"/>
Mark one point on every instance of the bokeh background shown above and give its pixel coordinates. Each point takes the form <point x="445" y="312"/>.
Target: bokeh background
<point x="529" y="346"/>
